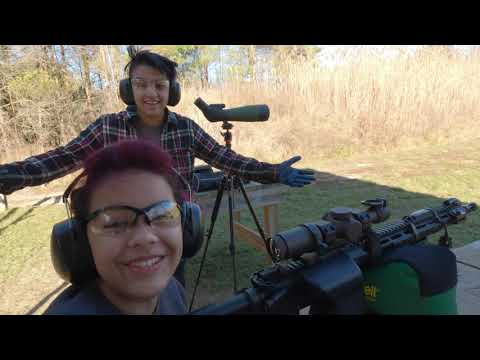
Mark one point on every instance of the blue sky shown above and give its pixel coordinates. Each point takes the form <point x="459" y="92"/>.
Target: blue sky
<point x="332" y="55"/>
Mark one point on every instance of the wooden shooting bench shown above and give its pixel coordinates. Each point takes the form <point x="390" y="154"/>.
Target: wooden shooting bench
<point x="267" y="197"/>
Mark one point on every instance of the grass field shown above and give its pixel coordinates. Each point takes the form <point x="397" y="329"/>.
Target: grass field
<point x="409" y="180"/>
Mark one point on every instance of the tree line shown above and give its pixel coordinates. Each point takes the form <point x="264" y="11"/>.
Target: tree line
<point x="48" y="93"/>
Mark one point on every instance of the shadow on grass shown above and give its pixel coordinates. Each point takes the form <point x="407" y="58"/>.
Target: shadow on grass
<point x="299" y="205"/>
<point x="304" y="205"/>
<point x="9" y="213"/>
<point x="26" y="214"/>
<point x="46" y="298"/>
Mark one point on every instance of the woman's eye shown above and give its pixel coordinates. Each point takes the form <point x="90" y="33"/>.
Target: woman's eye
<point x="159" y="220"/>
<point x="164" y="220"/>
<point x="116" y="226"/>
<point x="161" y="87"/>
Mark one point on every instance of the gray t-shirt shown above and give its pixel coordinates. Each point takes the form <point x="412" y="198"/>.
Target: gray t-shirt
<point x="151" y="133"/>
<point x="89" y="300"/>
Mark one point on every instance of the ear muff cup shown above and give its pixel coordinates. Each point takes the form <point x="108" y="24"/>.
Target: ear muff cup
<point x="61" y="251"/>
<point x="126" y="92"/>
<point x="192" y="229"/>
<point x="175" y="93"/>
<point x="72" y="256"/>
<point x="70" y="252"/>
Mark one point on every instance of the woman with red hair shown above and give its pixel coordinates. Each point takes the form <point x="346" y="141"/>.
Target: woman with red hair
<point x="127" y="208"/>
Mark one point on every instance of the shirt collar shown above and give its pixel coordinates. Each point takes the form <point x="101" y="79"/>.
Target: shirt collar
<point x="132" y="114"/>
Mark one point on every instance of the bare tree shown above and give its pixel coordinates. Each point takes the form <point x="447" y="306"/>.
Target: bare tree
<point x="107" y="73"/>
<point x="251" y="51"/>
<point x="85" y="63"/>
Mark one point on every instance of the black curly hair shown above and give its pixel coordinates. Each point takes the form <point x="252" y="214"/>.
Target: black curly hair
<point x="146" y="57"/>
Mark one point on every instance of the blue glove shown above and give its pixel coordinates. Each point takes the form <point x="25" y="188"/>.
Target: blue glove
<point x="293" y="177"/>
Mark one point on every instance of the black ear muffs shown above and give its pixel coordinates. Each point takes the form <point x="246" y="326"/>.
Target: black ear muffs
<point x="61" y="251"/>
<point x="192" y="229"/>
<point x="174" y="94"/>
<point x="71" y="253"/>
<point x="126" y="92"/>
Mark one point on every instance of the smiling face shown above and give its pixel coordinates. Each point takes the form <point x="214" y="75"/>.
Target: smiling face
<point x="150" y="92"/>
<point x="137" y="265"/>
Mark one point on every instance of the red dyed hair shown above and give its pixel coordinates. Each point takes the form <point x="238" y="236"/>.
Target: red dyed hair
<point x="116" y="158"/>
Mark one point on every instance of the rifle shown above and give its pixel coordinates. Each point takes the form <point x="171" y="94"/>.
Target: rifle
<point x="322" y="264"/>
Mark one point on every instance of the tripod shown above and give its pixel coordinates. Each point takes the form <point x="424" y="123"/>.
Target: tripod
<point x="229" y="183"/>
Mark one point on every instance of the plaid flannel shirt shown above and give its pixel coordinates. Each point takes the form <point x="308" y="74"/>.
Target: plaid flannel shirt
<point x="181" y="137"/>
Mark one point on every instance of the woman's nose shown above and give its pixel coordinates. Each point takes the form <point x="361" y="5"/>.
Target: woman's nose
<point x="151" y="90"/>
<point x="142" y="234"/>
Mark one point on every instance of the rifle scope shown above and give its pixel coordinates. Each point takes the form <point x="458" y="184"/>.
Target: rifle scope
<point x="341" y="226"/>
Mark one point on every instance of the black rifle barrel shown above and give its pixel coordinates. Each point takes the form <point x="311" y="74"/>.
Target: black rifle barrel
<point x="243" y="302"/>
<point x="237" y="304"/>
<point x="425" y="222"/>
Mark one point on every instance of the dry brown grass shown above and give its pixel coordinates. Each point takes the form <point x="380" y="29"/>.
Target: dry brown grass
<point x="367" y="104"/>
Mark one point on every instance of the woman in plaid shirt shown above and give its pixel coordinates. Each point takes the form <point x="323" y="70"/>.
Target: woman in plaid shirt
<point x="151" y="77"/>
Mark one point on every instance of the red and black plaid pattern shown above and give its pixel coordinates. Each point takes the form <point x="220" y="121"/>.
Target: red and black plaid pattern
<point x="181" y="137"/>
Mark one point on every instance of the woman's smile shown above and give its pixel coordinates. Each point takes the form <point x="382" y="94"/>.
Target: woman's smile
<point x="146" y="264"/>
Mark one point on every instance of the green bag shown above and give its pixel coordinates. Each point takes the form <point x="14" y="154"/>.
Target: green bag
<point x="413" y="280"/>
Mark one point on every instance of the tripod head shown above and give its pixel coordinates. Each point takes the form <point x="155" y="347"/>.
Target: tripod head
<point x="227" y="135"/>
<point x="216" y="113"/>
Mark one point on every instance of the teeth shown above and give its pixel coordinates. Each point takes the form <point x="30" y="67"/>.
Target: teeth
<point x="148" y="263"/>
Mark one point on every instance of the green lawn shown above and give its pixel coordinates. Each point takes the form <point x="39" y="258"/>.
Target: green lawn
<point x="25" y="232"/>
<point x="309" y="204"/>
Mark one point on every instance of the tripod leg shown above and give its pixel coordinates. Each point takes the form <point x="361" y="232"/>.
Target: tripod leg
<point x="232" y="235"/>
<point x="218" y="201"/>
<point x="257" y="223"/>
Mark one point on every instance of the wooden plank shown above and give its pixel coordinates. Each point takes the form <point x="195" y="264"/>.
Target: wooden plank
<point x="252" y="237"/>
<point x="259" y="193"/>
<point x="238" y="198"/>
<point x="264" y="196"/>
<point x="236" y="216"/>
<point x="208" y="208"/>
